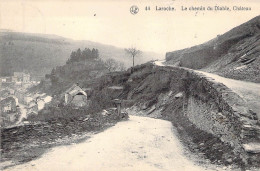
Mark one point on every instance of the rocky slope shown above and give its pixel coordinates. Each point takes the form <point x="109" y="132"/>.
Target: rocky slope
<point x="211" y="119"/>
<point x="235" y="54"/>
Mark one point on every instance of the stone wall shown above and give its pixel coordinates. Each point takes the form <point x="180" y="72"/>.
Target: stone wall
<point x="207" y="118"/>
<point x="222" y="106"/>
<point x="217" y="110"/>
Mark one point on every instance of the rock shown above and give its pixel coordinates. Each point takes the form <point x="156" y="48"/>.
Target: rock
<point x="252" y="147"/>
<point x="229" y="160"/>
<point x="178" y="95"/>
<point x="144" y="106"/>
<point x="254" y="115"/>
<point x="104" y="112"/>
<point x="151" y="109"/>
<point x="247" y="126"/>
<point x="86" y="119"/>
<point x="231" y="144"/>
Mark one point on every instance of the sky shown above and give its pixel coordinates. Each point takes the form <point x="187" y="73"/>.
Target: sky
<point x="110" y="21"/>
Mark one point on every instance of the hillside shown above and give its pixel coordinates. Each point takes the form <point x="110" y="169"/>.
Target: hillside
<point x="234" y="54"/>
<point x="210" y="118"/>
<point x="83" y="67"/>
<point x="39" y="53"/>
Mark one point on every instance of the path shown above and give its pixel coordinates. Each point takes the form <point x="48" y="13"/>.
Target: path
<point x="249" y="91"/>
<point x="137" y="144"/>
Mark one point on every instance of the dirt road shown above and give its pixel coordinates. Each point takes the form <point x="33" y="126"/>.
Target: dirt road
<point x="249" y="91"/>
<point x="138" y="144"/>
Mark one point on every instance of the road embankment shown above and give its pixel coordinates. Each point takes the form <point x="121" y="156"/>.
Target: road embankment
<point x="210" y="117"/>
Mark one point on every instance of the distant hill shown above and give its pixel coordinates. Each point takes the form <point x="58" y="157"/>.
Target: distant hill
<point x="235" y="54"/>
<point x="39" y="53"/>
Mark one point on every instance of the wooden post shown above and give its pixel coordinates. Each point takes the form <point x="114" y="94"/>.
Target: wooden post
<point x="119" y="109"/>
<point x="118" y="105"/>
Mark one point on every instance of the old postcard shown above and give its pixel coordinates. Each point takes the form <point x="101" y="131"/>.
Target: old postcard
<point x="92" y="85"/>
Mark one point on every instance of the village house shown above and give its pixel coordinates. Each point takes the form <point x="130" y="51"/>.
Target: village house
<point x="8" y="109"/>
<point x="6" y="79"/>
<point x="26" y="78"/>
<point x="4" y="94"/>
<point x="5" y="82"/>
<point x="12" y="91"/>
<point x="8" y="105"/>
<point x="21" y="77"/>
<point x="14" y="79"/>
<point x="26" y="85"/>
<point x="75" y="96"/>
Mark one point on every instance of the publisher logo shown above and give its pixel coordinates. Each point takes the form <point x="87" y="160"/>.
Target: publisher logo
<point x="134" y="9"/>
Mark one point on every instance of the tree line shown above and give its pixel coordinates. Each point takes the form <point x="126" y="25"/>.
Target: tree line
<point x="87" y="55"/>
<point x="83" y="55"/>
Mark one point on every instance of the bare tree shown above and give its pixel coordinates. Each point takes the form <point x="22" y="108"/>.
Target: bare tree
<point x="121" y="66"/>
<point x="111" y="65"/>
<point x="133" y="52"/>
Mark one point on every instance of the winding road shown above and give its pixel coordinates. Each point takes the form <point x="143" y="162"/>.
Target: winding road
<point x="140" y="143"/>
<point x="249" y="91"/>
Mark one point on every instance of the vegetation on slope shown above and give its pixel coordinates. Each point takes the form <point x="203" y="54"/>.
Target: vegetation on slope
<point x="235" y="54"/>
<point x="82" y="67"/>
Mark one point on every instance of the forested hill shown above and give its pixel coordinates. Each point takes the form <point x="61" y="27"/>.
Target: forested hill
<point x="82" y="67"/>
<point x="39" y="53"/>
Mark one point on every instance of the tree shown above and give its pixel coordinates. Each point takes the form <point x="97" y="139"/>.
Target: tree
<point x="111" y="65"/>
<point x="133" y="52"/>
<point x="95" y="53"/>
<point x="53" y="77"/>
<point x="121" y="66"/>
<point x="78" y="55"/>
<point x="83" y="56"/>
